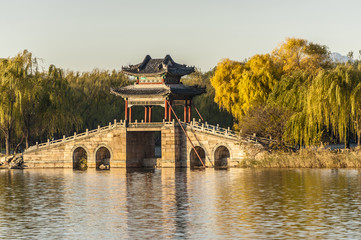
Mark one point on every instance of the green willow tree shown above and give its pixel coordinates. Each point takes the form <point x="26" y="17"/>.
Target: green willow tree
<point x="16" y="75"/>
<point x="333" y="101"/>
<point x="323" y="106"/>
<point x="356" y="110"/>
<point x="290" y="93"/>
<point x="37" y="105"/>
<point x="56" y="105"/>
<point x="91" y="98"/>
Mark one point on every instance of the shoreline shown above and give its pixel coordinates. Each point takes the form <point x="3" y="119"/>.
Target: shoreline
<point x="305" y="158"/>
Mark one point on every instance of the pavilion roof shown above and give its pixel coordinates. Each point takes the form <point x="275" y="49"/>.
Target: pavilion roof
<point x="156" y="67"/>
<point x="145" y="90"/>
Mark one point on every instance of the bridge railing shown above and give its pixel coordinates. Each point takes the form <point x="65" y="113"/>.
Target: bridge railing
<point x="205" y="127"/>
<point x="227" y="132"/>
<point x="78" y="136"/>
<point x="198" y="126"/>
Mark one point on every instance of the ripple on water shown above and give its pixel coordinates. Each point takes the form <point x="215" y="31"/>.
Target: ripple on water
<point x="169" y="203"/>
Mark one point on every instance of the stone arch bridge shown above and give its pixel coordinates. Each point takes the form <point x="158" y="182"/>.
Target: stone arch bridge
<point x="156" y="144"/>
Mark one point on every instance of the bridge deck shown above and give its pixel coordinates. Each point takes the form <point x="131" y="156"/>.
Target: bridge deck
<point x="145" y="127"/>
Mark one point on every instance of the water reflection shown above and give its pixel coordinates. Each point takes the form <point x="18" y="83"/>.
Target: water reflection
<point x="32" y="210"/>
<point x="180" y="203"/>
<point x="157" y="203"/>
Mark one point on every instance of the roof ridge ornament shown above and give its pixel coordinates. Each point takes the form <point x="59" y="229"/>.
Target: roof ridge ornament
<point x="167" y="59"/>
<point x="158" y="67"/>
<point x="145" y="62"/>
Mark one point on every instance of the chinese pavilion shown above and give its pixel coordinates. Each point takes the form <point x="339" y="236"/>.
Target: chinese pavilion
<point x="157" y="84"/>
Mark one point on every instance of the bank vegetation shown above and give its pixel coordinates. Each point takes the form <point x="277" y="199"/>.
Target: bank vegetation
<point x="306" y="158"/>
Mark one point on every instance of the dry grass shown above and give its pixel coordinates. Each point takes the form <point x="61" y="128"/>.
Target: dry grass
<point x="308" y="158"/>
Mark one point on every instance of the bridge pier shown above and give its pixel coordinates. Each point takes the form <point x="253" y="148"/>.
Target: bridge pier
<point x="171" y="146"/>
<point x="139" y="147"/>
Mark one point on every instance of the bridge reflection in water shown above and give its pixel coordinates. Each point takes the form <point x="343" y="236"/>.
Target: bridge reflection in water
<point x="180" y="203"/>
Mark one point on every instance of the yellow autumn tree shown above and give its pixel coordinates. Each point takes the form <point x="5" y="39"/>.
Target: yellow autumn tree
<point x="225" y="83"/>
<point x="239" y="86"/>
<point x="299" y="54"/>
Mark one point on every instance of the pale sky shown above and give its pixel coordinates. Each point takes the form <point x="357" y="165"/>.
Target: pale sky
<point x="81" y="35"/>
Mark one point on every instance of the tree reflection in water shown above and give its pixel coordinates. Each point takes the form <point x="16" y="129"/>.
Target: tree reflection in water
<point x="180" y="203"/>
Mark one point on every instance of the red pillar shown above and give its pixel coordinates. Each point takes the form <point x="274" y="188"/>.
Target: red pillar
<point x="170" y="112"/>
<point x="126" y="110"/>
<point x="150" y="114"/>
<point x="185" y="110"/>
<point x="145" y="113"/>
<point x="165" y="110"/>
<point x="130" y="114"/>
<point x="189" y="110"/>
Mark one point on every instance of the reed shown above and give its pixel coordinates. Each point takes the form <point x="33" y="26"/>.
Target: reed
<point x="307" y="158"/>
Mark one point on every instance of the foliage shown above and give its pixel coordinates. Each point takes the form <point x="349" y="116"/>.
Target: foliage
<point x="299" y="54"/>
<point x="322" y="99"/>
<point x="205" y="103"/>
<point x="239" y="86"/>
<point x="265" y="121"/>
<point x="333" y="99"/>
<point x="36" y="105"/>
<point x="290" y="93"/>
<point x="16" y="75"/>
<point x="56" y="104"/>
<point x="323" y="105"/>
<point x="356" y="108"/>
<point x="92" y="100"/>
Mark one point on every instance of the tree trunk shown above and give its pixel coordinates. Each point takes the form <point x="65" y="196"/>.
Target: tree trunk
<point x="347" y="138"/>
<point x="359" y="138"/>
<point x="17" y="146"/>
<point x="7" y="142"/>
<point x="26" y="139"/>
<point x="347" y="142"/>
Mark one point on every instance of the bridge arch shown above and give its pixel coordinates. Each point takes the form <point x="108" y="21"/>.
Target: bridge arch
<point x="193" y="158"/>
<point x="221" y="155"/>
<point x="80" y="156"/>
<point x="102" y="156"/>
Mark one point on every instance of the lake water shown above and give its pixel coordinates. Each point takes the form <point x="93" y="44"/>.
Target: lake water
<point x="178" y="204"/>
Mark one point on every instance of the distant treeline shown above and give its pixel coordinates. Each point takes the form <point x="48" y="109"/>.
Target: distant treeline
<point x="295" y="94"/>
<point x="37" y="105"/>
